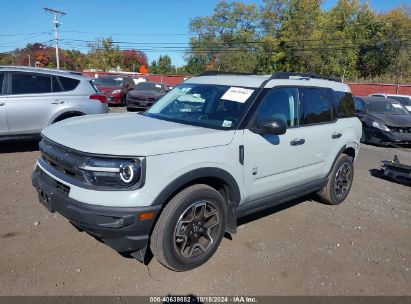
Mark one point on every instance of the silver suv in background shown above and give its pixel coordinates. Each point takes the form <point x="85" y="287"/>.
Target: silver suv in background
<point x="33" y="98"/>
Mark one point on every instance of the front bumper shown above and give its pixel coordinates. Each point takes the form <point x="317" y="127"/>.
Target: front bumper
<point x="139" y="104"/>
<point x="118" y="227"/>
<point x="377" y="136"/>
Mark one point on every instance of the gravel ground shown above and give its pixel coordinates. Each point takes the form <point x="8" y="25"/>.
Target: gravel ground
<point x="362" y="247"/>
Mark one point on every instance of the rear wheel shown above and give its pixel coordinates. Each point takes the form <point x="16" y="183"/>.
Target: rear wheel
<point x="339" y="181"/>
<point x="190" y="228"/>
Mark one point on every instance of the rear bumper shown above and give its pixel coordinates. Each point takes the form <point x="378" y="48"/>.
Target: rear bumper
<point x="118" y="227"/>
<point x="378" y="136"/>
<point x="113" y="98"/>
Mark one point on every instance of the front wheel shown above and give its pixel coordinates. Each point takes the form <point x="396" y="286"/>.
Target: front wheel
<point x="190" y="228"/>
<point x="339" y="181"/>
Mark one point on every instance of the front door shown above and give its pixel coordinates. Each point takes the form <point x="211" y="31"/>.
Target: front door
<point x="31" y="103"/>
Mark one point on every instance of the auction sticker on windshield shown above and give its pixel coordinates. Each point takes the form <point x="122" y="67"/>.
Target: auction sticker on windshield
<point x="237" y="94"/>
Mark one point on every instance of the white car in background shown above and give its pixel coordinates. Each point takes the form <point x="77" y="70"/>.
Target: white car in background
<point x="405" y="100"/>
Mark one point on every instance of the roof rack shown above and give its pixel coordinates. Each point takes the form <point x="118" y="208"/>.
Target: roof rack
<point x="217" y="73"/>
<point x="287" y="75"/>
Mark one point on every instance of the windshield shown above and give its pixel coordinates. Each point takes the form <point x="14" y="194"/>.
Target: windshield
<point x="403" y="100"/>
<point x="211" y="106"/>
<point x="150" y="86"/>
<point x="109" y="81"/>
<point x="385" y="107"/>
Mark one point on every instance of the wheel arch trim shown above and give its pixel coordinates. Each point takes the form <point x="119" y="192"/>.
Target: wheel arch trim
<point x="196" y="174"/>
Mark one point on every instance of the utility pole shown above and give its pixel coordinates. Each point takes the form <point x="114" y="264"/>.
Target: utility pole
<point x="56" y="30"/>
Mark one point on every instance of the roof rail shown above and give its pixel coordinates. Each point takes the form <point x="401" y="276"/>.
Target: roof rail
<point x="38" y="69"/>
<point x="217" y="73"/>
<point x="287" y="75"/>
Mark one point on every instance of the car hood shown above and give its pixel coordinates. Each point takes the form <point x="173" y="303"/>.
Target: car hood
<point x="131" y="134"/>
<point x="149" y="94"/>
<point x="397" y="121"/>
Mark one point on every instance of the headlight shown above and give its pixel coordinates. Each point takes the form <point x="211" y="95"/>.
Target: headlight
<point x="380" y="126"/>
<point x="116" y="92"/>
<point x="113" y="173"/>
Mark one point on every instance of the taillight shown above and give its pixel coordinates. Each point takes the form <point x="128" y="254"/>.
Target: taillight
<point x="99" y="97"/>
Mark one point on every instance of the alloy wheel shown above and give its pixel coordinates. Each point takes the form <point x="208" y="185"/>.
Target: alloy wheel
<point x="196" y="229"/>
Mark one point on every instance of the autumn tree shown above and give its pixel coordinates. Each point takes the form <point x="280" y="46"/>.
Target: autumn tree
<point x="133" y="60"/>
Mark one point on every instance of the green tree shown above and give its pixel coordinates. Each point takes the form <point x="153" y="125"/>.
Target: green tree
<point x="104" y="55"/>
<point x="162" y="65"/>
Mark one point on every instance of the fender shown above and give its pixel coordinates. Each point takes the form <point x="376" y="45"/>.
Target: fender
<point x="352" y="145"/>
<point x="207" y="172"/>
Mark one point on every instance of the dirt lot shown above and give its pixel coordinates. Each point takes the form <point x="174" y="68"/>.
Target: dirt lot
<point x="362" y="247"/>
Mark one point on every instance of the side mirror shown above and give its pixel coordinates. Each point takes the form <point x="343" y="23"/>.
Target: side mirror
<point x="274" y="126"/>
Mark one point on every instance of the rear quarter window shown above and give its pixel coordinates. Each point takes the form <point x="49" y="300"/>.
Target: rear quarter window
<point x="69" y="84"/>
<point x="344" y="104"/>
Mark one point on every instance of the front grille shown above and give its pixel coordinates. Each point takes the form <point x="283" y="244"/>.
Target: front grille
<point x="139" y="98"/>
<point x="62" y="159"/>
<point x="62" y="188"/>
<point x="401" y="130"/>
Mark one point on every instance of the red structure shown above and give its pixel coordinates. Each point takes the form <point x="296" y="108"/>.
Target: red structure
<point x="364" y="89"/>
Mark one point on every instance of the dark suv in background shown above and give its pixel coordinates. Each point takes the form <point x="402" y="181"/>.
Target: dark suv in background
<point x="144" y="95"/>
<point x="385" y="121"/>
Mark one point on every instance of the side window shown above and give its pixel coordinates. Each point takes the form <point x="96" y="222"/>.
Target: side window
<point x="56" y="87"/>
<point x="359" y="106"/>
<point x="1" y="82"/>
<point x="30" y="83"/>
<point x="344" y="104"/>
<point x="69" y="84"/>
<point x="316" y="107"/>
<point x="280" y="103"/>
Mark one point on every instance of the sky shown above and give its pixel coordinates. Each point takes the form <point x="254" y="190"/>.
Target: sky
<point x="148" y="25"/>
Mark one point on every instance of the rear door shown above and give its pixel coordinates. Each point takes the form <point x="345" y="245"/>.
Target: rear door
<point x="4" y="129"/>
<point x="31" y="103"/>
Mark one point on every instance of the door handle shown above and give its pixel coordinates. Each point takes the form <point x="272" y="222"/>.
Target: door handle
<point x="336" y="135"/>
<point x="2" y="104"/>
<point x="297" y="142"/>
<point x="57" y="102"/>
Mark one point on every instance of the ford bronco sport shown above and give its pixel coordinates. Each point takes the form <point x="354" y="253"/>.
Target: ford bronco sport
<point x="215" y="148"/>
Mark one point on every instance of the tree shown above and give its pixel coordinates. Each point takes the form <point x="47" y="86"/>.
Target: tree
<point x="133" y="60"/>
<point x="104" y="55"/>
<point x="162" y="66"/>
<point x="223" y="39"/>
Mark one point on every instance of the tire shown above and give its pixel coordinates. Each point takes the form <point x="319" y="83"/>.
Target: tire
<point x="190" y="228"/>
<point x="339" y="181"/>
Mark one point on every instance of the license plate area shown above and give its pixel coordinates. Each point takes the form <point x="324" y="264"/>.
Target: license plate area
<point x="46" y="199"/>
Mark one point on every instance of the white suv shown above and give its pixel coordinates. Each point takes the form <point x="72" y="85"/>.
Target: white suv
<point x="215" y="148"/>
<point x="33" y="98"/>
